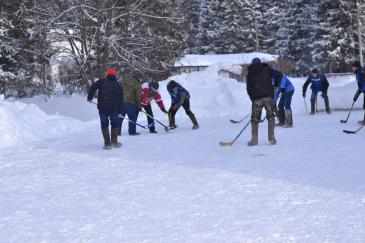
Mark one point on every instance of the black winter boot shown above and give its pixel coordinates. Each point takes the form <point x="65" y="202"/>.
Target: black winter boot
<point x="281" y="116"/>
<point x="172" y="120"/>
<point x="106" y="136"/>
<point x="313" y="109"/>
<point x="288" y="118"/>
<point x="193" y="120"/>
<point x="327" y="104"/>
<point x="114" y="139"/>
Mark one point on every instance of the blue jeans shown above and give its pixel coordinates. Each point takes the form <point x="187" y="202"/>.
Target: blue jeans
<point x="132" y="113"/>
<point x="105" y="117"/>
<point x="285" y="100"/>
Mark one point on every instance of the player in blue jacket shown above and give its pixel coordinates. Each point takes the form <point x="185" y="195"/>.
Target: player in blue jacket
<point x="179" y="97"/>
<point x="286" y="92"/>
<point x="319" y="83"/>
<point x="360" y="79"/>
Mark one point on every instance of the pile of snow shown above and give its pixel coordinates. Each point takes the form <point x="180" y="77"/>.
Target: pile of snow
<point x="211" y="96"/>
<point x="208" y="60"/>
<point x="74" y="106"/>
<point x="27" y="122"/>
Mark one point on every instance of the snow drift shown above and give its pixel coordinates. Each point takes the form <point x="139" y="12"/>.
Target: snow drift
<point x="28" y="122"/>
<point x="211" y="96"/>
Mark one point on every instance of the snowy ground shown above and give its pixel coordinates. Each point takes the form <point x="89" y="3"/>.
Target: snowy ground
<point x="58" y="185"/>
<point x="183" y="187"/>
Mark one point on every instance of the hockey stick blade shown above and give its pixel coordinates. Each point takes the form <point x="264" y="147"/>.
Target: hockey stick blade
<point x="355" y="131"/>
<point x="349" y="132"/>
<point x="233" y="121"/>
<point x="343" y="121"/>
<point x="226" y="144"/>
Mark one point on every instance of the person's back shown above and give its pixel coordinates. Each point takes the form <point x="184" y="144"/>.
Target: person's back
<point x="110" y="106"/>
<point x="259" y="81"/>
<point x="109" y="94"/>
<point x="260" y="88"/>
<point x="132" y="101"/>
<point x="132" y="90"/>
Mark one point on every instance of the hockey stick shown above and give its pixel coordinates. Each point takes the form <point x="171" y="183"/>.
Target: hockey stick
<point x="345" y="121"/>
<point x="238" y="135"/>
<point x="244" y="118"/>
<point x="224" y="144"/>
<point x="355" y="131"/>
<point x="166" y="128"/>
<point x="305" y="104"/>
<point x="123" y="117"/>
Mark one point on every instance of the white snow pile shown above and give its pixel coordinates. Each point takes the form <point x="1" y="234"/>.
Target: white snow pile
<point x="27" y="122"/>
<point x="239" y="58"/>
<point x="211" y="94"/>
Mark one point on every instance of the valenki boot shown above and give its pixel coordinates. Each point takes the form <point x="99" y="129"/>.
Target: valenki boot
<point x="114" y="138"/>
<point x="281" y="116"/>
<point x="288" y="118"/>
<point x="193" y="120"/>
<point x="271" y="128"/>
<point x="106" y="136"/>
<point x="254" y="133"/>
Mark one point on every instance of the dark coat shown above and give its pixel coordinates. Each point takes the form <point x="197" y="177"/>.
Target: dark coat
<point x="360" y="79"/>
<point x="110" y="94"/>
<point x="259" y="81"/>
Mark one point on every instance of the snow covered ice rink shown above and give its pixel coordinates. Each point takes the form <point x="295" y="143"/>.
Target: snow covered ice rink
<point x="58" y="185"/>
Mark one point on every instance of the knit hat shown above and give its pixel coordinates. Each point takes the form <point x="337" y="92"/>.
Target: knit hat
<point x="356" y="64"/>
<point x="315" y="70"/>
<point x="172" y="84"/>
<point x="111" y="72"/>
<point x="153" y="84"/>
<point x="256" y="60"/>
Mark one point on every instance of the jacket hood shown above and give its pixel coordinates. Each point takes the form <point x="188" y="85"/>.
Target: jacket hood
<point x="111" y="78"/>
<point x="256" y="67"/>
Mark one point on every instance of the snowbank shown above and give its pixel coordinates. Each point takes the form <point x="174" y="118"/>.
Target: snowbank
<point x="27" y="122"/>
<point x="207" y="60"/>
<point x="74" y="106"/>
<point x="211" y="96"/>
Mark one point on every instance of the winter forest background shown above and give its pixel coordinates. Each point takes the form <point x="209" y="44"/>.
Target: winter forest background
<point x="84" y="37"/>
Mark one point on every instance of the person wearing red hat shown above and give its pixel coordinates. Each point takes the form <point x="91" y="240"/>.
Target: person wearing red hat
<point x="110" y="106"/>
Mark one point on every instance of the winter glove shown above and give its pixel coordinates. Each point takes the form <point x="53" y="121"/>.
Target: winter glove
<point x="139" y="108"/>
<point x="357" y="94"/>
<point x="303" y="95"/>
<point x="164" y="111"/>
<point x="324" y="94"/>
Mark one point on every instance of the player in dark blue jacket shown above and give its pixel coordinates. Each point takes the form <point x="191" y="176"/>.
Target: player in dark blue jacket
<point x="179" y="97"/>
<point x="319" y="83"/>
<point x="360" y="79"/>
<point x="286" y="92"/>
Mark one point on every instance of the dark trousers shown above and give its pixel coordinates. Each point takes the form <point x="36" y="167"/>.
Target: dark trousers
<point x="173" y="112"/>
<point x="105" y="117"/>
<point x="186" y="107"/>
<point x="132" y="113"/>
<point x="314" y="97"/>
<point x="285" y="101"/>
<point x="151" y="122"/>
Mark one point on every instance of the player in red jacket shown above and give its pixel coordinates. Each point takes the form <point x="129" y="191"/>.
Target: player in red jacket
<point x="149" y="93"/>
